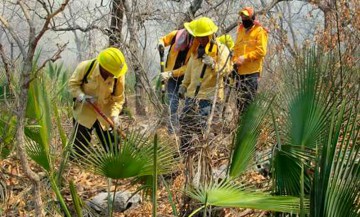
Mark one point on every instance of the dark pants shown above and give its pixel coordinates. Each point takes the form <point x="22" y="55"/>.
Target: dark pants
<point x="83" y="138"/>
<point x="173" y="85"/>
<point x="246" y="87"/>
<point x="193" y="121"/>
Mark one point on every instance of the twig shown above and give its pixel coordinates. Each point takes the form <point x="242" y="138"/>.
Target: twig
<point x="14" y="35"/>
<point x="246" y="212"/>
<point x="76" y="27"/>
<point x="6" y="66"/>
<point x="55" y="56"/>
<point x="339" y="45"/>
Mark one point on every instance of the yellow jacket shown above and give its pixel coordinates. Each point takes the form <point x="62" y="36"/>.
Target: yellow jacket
<point x="110" y="104"/>
<point x="168" y="40"/>
<point x="252" y="45"/>
<point x="208" y="84"/>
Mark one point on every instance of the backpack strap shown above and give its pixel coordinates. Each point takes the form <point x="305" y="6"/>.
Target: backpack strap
<point x="114" y="87"/>
<point x="84" y="80"/>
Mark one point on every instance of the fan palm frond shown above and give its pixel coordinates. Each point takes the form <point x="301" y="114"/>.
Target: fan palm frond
<point x="336" y="184"/>
<point x="227" y="194"/>
<point x="319" y="150"/>
<point x="38" y="113"/>
<point x="133" y="158"/>
<point x="247" y="135"/>
<point x="287" y="173"/>
<point x="306" y="113"/>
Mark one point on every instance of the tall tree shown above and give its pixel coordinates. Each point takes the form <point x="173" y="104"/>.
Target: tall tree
<point x="27" y="50"/>
<point x="135" y="56"/>
<point x="116" y="22"/>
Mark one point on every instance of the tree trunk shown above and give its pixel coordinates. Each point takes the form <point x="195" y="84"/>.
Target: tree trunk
<point x="139" y="100"/>
<point x="134" y="50"/>
<point x="20" y="134"/>
<point x="117" y="14"/>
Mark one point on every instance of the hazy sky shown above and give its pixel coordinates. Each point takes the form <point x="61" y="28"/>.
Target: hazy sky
<point x="303" y="17"/>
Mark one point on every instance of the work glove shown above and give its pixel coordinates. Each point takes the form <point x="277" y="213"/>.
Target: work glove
<point x="161" y="48"/>
<point x="166" y="75"/>
<point x="181" y="92"/>
<point x="82" y="97"/>
<point x="116" y="121"/>
<point x="240" y="60"/>
<point x="209" y="61"/>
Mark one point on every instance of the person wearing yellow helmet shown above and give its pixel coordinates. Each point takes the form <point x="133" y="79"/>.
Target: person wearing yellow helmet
<point x="208" y="64"/>
<point x="249" y="52"/>
<point x="180" y="43"/>
<point x="102" y="82"/>
<point x="226" y="40"/>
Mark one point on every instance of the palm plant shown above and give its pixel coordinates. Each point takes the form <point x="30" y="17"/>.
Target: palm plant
<point x="229" y="193"/>
<point x="58" y="80"/>
<point x="316" y="147"/>
<point x="39" y="134"/>
<point x="133" y="157"/>
<point x="316" y="156"/>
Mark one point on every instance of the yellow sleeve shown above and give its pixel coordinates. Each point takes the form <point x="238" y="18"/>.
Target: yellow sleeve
<point x="260" y="47"/>
<point x="76" y="78"/>
<point x="166" y="40"/>
<point x="223" y="60"/>
<point x="179" y="71"/>
<point x="118" y="99"/>
<point x="187" y="74"/>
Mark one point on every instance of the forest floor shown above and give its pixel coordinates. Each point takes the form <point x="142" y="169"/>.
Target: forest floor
<point x="19" y="199"/>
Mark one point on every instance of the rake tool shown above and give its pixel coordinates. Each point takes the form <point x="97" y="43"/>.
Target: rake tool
<point x="106" y="118"/>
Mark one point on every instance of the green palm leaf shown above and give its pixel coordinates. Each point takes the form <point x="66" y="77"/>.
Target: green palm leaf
<point x="7" y="134"/>
<point x="319" y="135"/>
<point x="337" y="181"/>
<point x="134" y="158"/>
<point x="38" y="112"/>
<point x="287" y="172"/>
<point x="247" y="135"/>
<point x="306" y="113"/>
<point x="228" y="194"/>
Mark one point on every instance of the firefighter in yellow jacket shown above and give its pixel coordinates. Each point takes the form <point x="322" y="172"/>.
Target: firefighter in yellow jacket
<point x="208" y="63"/>
<point x="249" y="52"/>
<point x="180" y="42"/>
<point x="101" y="81"/>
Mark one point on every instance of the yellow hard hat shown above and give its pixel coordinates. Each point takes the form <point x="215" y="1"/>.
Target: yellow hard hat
<point x="203" y="26"/>
<point x="113" y="61"/>
<point x="227" y="40"/>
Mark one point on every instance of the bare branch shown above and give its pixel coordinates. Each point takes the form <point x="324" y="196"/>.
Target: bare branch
<point x="6" y="63"/>
<point x="48" y="19"/>
<point x="260" y="12"/>
<point x="195" y="6"/>
<point x="13" y="34"/>
<point x="55" y="56"/>
<point x="44" y="6"/>
<point x="214" y="7"/>
<point x="28" y="19"/>
<point x="76" y="27"/>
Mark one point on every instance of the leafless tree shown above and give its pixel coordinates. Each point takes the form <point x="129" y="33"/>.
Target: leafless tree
<point x="27" y="50"/>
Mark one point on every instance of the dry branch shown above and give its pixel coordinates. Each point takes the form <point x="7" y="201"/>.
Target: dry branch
<point x="23" y="94"/>
<point x="55" y="56"/>
<point x="6" y="64"/>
